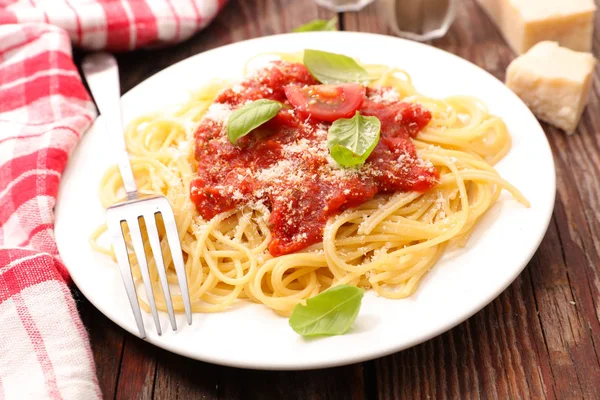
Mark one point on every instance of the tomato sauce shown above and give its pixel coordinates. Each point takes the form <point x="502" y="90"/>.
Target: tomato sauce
<point x="285" y="166"/>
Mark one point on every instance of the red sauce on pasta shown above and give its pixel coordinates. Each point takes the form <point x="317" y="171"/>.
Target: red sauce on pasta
<point x="285" y="166"/>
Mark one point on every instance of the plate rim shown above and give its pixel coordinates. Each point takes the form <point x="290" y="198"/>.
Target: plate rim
<point x="342" y="360"/>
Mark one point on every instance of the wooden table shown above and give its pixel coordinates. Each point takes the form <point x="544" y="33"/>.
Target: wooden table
<point x="539" y="339"/>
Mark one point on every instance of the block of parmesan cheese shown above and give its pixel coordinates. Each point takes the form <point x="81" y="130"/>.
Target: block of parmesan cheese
<point x="554" y="82"/>
<point x="523" y="23"/>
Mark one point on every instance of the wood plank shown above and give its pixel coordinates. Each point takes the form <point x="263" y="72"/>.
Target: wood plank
<point x="178" y="377"/>
<point x="182" y="378"/>
<point x="335" y="383"/>
<point x="576" y="325"/>
<point x="138" y="370"/>
<point x="577" y="210"/>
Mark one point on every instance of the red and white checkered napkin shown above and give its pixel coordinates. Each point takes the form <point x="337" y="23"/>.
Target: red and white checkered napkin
<point x="44" y="109"/>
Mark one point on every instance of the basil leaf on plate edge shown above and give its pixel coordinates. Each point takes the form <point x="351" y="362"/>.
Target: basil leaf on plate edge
<point x="331" y="312"/>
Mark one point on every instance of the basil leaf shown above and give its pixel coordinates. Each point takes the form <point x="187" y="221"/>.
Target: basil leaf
<point x="351" y="140"/>
<point x="331" y="68"/>
<point x="249" y="117"/>
<point x="329" y="313"/>
<point x="319" y="25"/>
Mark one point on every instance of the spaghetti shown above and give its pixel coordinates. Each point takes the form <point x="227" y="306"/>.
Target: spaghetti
<point x="386" y="244"/>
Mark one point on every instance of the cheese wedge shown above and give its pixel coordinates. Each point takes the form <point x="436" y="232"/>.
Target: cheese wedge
<point x="523" y="23"/>
<point x="554" y="82"/>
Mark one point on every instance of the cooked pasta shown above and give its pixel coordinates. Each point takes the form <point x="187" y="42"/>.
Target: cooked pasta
<point x="386" y="244"/>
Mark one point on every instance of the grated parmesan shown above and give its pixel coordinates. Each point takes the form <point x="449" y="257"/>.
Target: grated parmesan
<point x="219" y="112"/>
<point x="385" y="96"/>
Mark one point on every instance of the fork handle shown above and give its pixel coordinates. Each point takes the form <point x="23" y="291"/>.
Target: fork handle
<point x="102" y="75"/>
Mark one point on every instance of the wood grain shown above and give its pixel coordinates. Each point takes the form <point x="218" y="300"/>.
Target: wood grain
<point x="539" y="339"/>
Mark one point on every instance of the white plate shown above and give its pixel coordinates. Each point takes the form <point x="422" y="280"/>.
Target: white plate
<point x="251" y="336"/>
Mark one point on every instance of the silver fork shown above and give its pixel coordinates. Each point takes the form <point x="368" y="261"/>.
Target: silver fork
<point x="102" y="74"/>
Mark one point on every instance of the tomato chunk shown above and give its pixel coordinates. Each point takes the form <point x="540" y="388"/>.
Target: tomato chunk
<point x="326" y="102"/>
<point x="286" y="168"/>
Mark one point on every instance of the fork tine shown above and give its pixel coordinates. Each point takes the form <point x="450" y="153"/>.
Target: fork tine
<point x="140" y="254"/>
<point x="118" y="241"/>
<point x="160" y="265"/>
<point x="176" y="254"/>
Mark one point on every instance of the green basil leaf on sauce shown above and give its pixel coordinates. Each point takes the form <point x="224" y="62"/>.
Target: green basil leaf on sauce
<point x="351" y="140"/>
<point x="249" y="117"/>
<point x="329" y="313"/>
<point x="331" y="68"/>
<point x="319" y="25"/>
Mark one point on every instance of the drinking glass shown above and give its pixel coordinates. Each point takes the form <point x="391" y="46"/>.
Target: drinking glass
<point x="420" y="20"/>
<point x="343" y="5"/>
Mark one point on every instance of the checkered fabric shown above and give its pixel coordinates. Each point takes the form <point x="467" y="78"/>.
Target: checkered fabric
<point x="44" y="109"/>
